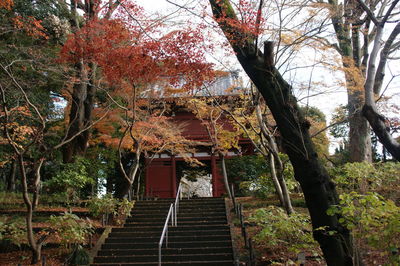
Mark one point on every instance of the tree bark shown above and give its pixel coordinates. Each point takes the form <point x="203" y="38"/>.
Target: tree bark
<point x="35" y="246"/>
<point x="360" y="148"/>
<point x="129" y="178"/>
<point x="318" y="189"/>
<point x="11" y="177"/>
<point x="359" y="131"/>
<point x="225" y="175"/>
<point x="380" y="127"/>
<point x="77" y="116"/>
<point x="277" y="186"/>
<point x="277" y="176"/>
<point x="372" y="86"/>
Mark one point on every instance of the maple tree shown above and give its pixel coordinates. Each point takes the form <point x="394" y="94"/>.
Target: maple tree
<point x="132" y="58"/>
<point x="121" y="49"/>
<point x="141" y="129"/>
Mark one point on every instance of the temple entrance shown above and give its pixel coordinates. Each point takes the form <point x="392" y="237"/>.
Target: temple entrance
<point x="196" y="180"/>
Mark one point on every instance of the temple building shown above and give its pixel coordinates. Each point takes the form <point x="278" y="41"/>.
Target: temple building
<point x="165" y="171"/>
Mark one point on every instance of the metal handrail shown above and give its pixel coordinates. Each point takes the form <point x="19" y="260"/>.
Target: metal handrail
<point x="165" y="231"/>
<point x="172" y="214"/>
<point x="176" y="204"/>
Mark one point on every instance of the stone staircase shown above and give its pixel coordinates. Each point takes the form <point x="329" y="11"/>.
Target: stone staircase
<point x="202" y="236"/>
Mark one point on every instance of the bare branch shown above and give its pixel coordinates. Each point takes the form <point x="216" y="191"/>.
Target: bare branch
<point x="66" y="141"/>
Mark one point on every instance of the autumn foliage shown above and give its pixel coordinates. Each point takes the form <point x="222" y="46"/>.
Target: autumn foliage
<point x="126" y="54"/>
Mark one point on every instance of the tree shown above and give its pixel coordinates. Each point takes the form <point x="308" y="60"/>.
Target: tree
<point x="375" y="74"/>
<point x="251" y="121"/>
<point x="30" y="121"/>
<point x="222" y="137"/>
<point x="319" y="191"/>
<point x="359" y="27"/>
<point x="136" y="68"/>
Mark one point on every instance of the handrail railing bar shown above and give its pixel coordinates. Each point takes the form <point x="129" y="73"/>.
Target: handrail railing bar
<point x="165" y="232"/>
<point x="176" y="205"/>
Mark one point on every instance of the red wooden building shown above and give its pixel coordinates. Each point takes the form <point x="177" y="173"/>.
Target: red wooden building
<point x="164" y="171"/>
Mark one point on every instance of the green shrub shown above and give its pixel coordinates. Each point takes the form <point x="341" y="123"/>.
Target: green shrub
<point x="70" y="229"/>
<point x="253" y="175"/>
<point x="105" y="205"/>
<point x="124" y="210"/>
<point x="108" y="205"/>
<point x="71" y="178"/>
<point x="383" y="178"/>
<point x="372" y="219"/>
<point x="12" y="232"/>
<point x="10" y="198"/>
<point x="278" y="229"/>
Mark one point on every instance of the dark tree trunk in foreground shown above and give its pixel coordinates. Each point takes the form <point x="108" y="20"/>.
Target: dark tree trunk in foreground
<point x="11" y="177"/>
<point x="319" y="191"/>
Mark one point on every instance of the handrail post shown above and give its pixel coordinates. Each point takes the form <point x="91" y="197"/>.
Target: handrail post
<point x="159" y="253"/>
<point x="173" y="216"/>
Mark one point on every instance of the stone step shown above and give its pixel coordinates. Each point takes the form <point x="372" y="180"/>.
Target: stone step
<point x="220" y="218"/>
<point x="183" y="200"/>
<point x="181" y="227"/>
<point x="189" y="208"/>
<point x="202" y="236"/>
<point x="183" y="204"/>
<point x="186" y="223"/>
<point x="165" y="257"/>
<point x="181" y="213"/>
<point x="174" y="233"/>
<point x="171" y="238"/>
<point x="154" y="251"/>
<point x="171" y="244"/>
<point x="189" y="263"/>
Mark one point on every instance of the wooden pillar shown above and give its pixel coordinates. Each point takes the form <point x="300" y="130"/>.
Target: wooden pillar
<point x="214" y="175"/>
<point x="173" y="178"/>
<point x="147" y="181"/>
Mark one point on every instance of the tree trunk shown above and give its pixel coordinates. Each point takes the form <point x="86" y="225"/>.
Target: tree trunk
<point x="274" y="159"/>
<point x="372" y="86"/>
<point x="36" y="248"/>
<point x="287" y="203"/>
<point x="277" y="186"/>
<point x="378" y="123"/>
<point x="318" y="189"/>
<point x="129" y="178"/>
<point x="359" y="135"/>
<point x="36" y="254"/>
<point x="225" y="175"/>
<point x="11" y="177"/>
<point x="77" y="117"/>
<point x="349" y="45"/>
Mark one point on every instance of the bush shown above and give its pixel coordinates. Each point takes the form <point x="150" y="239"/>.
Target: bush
<point x="253" y="175"/>
<point x="12" y="233"/>
<point x="70" y="229"/>
<point x="71" y="178"/>
<point x="383" y="178"/>
<point x="105" y="205"/>
<point x="124" y="210"/>
<point x="371" y="219"/>
<point x="108" y="205"/>
<point x="278" y="229"/>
